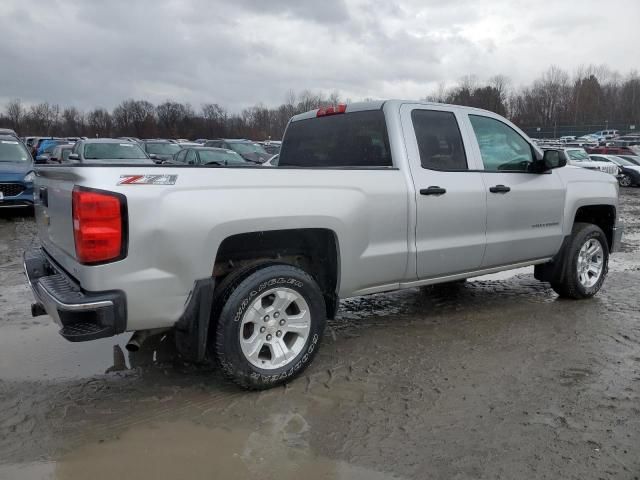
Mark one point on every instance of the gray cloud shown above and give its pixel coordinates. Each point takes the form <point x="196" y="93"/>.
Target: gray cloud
<point x="95" y="53"/>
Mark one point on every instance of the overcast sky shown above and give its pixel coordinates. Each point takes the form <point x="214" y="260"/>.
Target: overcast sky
<point x="238" y="53"/>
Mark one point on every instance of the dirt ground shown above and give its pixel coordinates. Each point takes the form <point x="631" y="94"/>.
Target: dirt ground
<point x="497" y="378"/>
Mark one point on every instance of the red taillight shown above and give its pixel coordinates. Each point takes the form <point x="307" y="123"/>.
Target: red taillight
<point x="331" y="110"/>
<point x="98" y="227"/>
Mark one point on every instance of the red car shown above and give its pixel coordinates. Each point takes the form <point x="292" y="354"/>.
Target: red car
<point x="610" y="150"/>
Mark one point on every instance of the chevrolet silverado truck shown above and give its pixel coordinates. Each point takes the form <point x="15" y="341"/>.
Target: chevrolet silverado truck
<point x="246" y="264"/>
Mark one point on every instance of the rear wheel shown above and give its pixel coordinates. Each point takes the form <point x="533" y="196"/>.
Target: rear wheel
<point x="586" y="263"/>
<point x="270" y="327"/>
<point x="625" y="180"/>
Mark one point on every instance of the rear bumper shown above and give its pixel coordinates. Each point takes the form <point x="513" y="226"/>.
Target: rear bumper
<point x="82" y="315"/>
<point x="617" y="238"/>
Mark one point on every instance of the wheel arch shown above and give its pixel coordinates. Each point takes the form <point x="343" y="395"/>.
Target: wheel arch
<point x="315" y="250"/>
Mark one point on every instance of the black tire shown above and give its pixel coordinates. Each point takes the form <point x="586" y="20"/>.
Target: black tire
<point x="570" y="286"/>
<point x="237" y="297"/>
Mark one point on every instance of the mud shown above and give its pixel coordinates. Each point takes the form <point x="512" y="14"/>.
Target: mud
<point x="497" y="378"/>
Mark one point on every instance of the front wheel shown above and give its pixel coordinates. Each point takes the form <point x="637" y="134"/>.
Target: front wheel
<point x="270" y="327"/>
<point x="587" y="260"/>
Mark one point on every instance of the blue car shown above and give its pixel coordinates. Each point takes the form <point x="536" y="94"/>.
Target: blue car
<point x="49" y="142"/>
<point x="16" y="173"/>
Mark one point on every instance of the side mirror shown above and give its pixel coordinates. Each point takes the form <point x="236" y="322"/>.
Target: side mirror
<point x="552" y="159"/>
<point x="41" y="159"/>
<point x="73" y="157"/>
<point x="153" y="156"/>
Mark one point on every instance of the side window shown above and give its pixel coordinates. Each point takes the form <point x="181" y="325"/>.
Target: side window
<point x="191" y="157"/>
<point x="180" y="156"/>
<point x="501" y="147"/>
<point x="439" y="140"/>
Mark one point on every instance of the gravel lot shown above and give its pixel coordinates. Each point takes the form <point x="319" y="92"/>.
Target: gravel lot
<point x="497" y="378"/>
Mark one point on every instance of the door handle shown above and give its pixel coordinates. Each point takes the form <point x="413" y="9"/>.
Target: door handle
<point x="433" y="190"/>
<point x="500" y="189"/>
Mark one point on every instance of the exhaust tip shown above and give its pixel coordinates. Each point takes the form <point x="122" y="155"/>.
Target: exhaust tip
<point x="132" y="347"/>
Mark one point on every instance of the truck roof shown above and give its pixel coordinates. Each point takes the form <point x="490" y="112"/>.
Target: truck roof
<point x="378" y="104"/>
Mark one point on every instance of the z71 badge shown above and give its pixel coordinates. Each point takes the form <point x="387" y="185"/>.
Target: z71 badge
<point x="148" y="179"/>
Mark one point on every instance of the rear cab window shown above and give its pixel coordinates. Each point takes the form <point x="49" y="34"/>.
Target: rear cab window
<point x="439" y="140"/>
<point x="353" y="139"/>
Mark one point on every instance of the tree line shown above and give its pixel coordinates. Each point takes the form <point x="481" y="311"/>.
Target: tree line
<point x="592" y="95"/>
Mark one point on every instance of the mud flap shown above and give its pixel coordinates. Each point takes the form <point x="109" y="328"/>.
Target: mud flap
<point x="554" y="271"/>
<point x="192" y="329"/>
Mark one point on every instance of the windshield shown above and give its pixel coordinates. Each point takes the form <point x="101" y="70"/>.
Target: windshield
<point x="633" y="160"/>
<point x="246" y="147"/>
<point x="13" y="151"/>
<point x="578" y="155"/>
<point x="221" y="157"/>
<point x="113" y="151"/>
<point x="163" y="148"/>
<point x="624" y="161"/>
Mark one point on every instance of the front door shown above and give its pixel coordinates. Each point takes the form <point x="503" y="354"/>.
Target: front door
<point x="524" y="210"/>
<point x="450" y="199"/>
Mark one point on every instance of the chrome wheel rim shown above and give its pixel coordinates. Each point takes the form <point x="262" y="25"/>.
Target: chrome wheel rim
<point x="625" y="181"/>
<point x="275" y="328"/>
<point x="590" y="263"/>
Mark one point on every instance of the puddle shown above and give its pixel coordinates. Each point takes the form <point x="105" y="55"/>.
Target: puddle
<point x="38" y="352"/>
<point x="278" y="448"/>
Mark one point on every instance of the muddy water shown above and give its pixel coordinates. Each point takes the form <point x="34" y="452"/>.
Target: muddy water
<point x="495" y="378"/>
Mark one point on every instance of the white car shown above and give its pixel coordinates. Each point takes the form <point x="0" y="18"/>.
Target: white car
<point x="580" y="158"/>
<point x="629" y="171"/>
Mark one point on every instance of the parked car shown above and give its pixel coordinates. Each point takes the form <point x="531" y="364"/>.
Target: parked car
<point x="604" y="150"/>
<point x="580" y="158"/>
<point x="209" y="156"/>
<point x="629" y="172"/>
<point x="130" y="139"/>
<point x="36" y="145"/>
<point x="60" y="153"/>
<point x="107" y="150"/>
<point x="9" y="132"/>
<point x="47" y="150"/>
<point x="160" y="150"/>
<point x="16" y="173"/>
<point x="632" y="158"/>
<point x="189" y="144"/>
<point x="47" y="144"/>
<point x="606" y="134"/>
<point x="249" y="150"/>
<point x="272" y="147"/>
<point x="246" y="264"/>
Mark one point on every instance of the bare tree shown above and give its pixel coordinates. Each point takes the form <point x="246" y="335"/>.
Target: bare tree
<point x="15" y="113"/>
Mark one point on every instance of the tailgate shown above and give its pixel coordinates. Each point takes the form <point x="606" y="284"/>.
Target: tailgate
<point x="52" y="192"/>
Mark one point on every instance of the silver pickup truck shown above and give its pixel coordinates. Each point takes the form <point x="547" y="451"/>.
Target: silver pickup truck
<point x="246" y="264"/>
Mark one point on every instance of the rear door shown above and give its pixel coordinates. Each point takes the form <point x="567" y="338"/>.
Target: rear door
<point x="524" y="209"/>
<point x="450" y="197"/>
